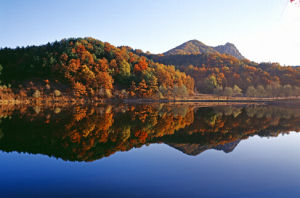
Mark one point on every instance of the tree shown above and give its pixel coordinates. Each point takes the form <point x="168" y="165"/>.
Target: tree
<point x="288" y="90"/>
<point x="124" y="68"/>
<point x="79" y="89"/>
<point x="113" y="63"/>
<point x="228" y="92"/>
<point x="251" y="92"/>
<point x="269" y="91"/>
<point x="163" y="90"/>
<point x="218" y="91"/>
<point x="296" y="91"/>
<point x="36" y="94"/>
<point x="142" y="89"/>
<point x="103" y="63"/>
<point x="237" y="91"/>
<point x="57" y="93"/>
<point x="86" y="74"/>
<point x="141" y="65"/>
<point x="180" y="91"/>
<point x="132" y="89"/>
<point x="260" y="91"/>
<point x="104" y="80"/>
<point x="153" y="85"/>
<point x="211" y="83"/>
<point x="273" y="90"/>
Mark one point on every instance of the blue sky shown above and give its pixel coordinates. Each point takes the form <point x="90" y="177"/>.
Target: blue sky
<point x="262" y="29"/>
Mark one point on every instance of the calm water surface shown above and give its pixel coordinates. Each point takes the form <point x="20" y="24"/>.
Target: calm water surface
<point x="150" y="151"/>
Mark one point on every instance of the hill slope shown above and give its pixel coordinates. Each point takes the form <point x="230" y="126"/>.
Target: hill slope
<point x="213" y="72"/>
<point x="89" y="67"/>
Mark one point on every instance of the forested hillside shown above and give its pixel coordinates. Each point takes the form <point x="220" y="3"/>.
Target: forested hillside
<point x="86" y="67"/>
<point x="223" y="74"/>
<point x="89" y="67"/>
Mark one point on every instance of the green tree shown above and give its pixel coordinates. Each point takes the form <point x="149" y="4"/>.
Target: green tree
<point x="228" y="92"/>
<point x="180" y="91"/>
<point x="124" y="68"/>
<point x="288" y="90"/>
<point x="218" y="91"/>
<point x="273" y="90"/>
<point x="163" y="90"/>
<point x="296" y="91"/>
<point x="211" y="83"/>
<point x="251" y="92"/>
<point x="237" y="91"/>
<point x="260" y="91"/>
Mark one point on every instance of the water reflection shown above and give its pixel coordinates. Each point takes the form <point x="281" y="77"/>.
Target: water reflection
<point x="88" y="133"/>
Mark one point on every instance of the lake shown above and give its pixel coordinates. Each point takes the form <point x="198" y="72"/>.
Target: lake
<point x="150" y="150"/>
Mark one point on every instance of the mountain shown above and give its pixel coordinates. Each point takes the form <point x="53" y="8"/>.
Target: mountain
<point x="196" y="47"/>
<point x="191" y="47"/>
<point x="230" y="49"/>
<point x="196" y="149"/>
<point x="215" y="68"/>
<point x="190" y="149"/>
<point x="227" y="148"/>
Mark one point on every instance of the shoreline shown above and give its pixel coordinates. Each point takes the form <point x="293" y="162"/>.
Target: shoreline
<point x="65" y="101"/>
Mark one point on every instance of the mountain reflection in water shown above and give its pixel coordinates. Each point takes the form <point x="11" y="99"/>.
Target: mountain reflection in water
<point x="90" y="133"/>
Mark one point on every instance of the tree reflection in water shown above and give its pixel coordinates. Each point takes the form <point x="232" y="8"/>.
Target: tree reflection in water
<point x="92" y="132"/>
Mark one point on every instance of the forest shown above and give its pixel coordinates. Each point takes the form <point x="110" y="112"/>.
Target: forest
<point x="86" y="67"/>
<point x="223" y="74"/>
<point x="89" y="68"/>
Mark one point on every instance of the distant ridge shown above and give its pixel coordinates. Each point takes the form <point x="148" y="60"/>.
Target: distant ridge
<point x="197" y="47"/>
<point x="190" y="47"/>
<point x="230" y="49"/>
<point x="196" y="149"/>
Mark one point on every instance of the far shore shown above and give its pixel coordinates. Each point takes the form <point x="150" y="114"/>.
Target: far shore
<point x="202" y="98"/>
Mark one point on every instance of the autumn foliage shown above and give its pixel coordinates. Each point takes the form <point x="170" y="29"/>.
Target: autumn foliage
<point x="85" y="133"/>
<point x="89" y="67"/>
<point x="213" y="70"/>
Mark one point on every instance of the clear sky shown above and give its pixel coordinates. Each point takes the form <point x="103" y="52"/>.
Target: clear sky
<point x="263" y="30"/>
